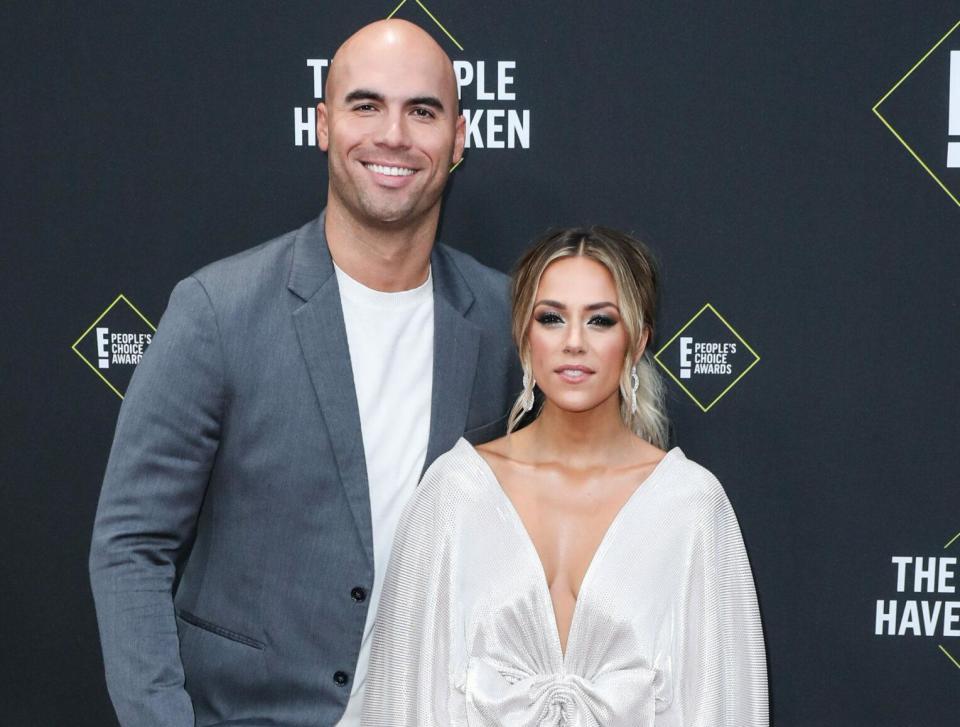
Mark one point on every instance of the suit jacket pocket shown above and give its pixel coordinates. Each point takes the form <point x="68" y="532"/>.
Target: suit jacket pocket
<point x="486" y="432"/>
<point x="225" y="672"/>
<point x="218" y="630"/>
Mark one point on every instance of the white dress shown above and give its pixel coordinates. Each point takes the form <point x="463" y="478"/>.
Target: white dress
<point x="665" y="631"/>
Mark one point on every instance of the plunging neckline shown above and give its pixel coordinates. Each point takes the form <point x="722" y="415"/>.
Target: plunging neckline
<point x="544" y="586"/>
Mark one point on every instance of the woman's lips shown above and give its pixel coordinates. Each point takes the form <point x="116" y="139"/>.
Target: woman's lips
<point x="574" y="374"/>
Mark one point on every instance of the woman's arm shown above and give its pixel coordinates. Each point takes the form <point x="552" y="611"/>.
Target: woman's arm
<point x="721" y="667"/>
<point x="408" y="682"/>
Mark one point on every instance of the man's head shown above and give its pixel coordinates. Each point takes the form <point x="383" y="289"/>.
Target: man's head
<point x="390" y="125"/>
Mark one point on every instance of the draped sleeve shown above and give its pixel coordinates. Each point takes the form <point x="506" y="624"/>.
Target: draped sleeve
<point x="418" y="634"/>
<point x="720" y="677"/>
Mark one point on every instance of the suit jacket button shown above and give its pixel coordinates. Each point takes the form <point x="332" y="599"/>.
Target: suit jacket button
<point x="341" y="678"/>
<point x="358" y="594"/>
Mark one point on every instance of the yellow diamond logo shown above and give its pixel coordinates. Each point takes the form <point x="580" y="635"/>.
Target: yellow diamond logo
<point x="922" y="110"/>
<point x="114" y="343"/>
<point x="943" y="648"/>
<point x="706" y="357"/>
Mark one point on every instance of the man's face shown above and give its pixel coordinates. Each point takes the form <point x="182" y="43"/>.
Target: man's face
<point x="391" y="129"/>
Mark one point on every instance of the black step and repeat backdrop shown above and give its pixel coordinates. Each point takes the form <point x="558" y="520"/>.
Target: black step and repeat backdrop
<point x="795" y="164"/>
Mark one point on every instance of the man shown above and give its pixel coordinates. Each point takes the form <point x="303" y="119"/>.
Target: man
<point x="289" y="402"/>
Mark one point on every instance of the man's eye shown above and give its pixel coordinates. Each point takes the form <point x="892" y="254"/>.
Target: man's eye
<point x="364" y="107"/>
<point x="549" y="319"/>
<point x="601" y="321"/>
<point x="423" y="113"/>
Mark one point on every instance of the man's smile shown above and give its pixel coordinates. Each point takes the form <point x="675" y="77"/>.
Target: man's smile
<point x="390" y="171"/>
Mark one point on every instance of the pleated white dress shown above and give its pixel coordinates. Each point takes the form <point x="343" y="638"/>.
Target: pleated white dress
<point x="665" y="632"/>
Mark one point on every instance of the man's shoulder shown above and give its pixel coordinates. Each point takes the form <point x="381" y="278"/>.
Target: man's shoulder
<point x="272" y="256"/>
<point x="474" y="271"/>
<point x="250" y="273"/>
<point x="490" y="288"/>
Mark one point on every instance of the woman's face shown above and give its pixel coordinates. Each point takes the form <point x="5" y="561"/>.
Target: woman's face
<point x="577" y="339"/>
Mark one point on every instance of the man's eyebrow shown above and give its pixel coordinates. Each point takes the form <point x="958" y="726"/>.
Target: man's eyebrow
<point x="431" y="101"/>
<point x="363" y="94"/>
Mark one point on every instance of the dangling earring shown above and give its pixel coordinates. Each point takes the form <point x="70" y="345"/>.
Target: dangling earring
<point x="526" y="399"/>
<point x="635" y="380"/>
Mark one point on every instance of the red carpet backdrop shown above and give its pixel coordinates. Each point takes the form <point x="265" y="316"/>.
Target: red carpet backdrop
<point x="796" y="166"/>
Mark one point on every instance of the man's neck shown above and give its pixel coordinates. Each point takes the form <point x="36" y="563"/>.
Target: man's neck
<point x="384" y="259"/>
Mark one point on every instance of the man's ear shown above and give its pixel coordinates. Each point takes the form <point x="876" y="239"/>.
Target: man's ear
<point x="323" y="129"/>
<point x="459" y="139"/>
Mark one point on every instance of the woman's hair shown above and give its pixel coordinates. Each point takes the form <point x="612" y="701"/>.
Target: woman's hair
<point x="634" y="274"/>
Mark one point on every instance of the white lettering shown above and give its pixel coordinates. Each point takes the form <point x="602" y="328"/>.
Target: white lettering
<point x="102" y="334"/>
<point x="482" y="93"/>
<point x="901" y="562"/>
<point x="923" y="575"/>
<point x="473" y="128"/>
<point x="911" y="619"/>
<point x="886" y="621"/>
<point x="305" y="123"/>
<point x="518" y="129"/>
<point x="953" y="124"/>
<point x="930" y="619"/>
<point x="503" y="80"/>
<point x="464" y="72"/>
<point x="494" y="126"/>
<point x="686" y="344"/>
<point x="946" y="573"/>
<point x="951" y="619"/>
<point x="317" y="64"/>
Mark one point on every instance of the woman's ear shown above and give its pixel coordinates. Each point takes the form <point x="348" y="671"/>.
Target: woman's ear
<point x="644" y="340"/>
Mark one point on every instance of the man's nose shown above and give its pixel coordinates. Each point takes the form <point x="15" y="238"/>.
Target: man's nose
<point x="394" y="132"/>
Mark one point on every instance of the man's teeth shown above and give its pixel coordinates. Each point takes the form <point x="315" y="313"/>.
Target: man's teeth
<point x="390" y="171"/>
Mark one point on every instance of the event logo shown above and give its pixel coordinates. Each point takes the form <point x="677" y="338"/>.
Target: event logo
<point x="923" y="606"/>
<point x="114" y="343"/>
<point x="922" y="111"/>
<point x="706" y="357"/>
<point x="484" y="86"/>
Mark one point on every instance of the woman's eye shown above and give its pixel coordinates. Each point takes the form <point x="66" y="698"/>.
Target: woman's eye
<point x="549" y="319"/>
<point x="601" y="321"/>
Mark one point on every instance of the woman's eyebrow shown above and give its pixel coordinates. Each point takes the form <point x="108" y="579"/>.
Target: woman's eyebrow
<point x="562" y="306"/>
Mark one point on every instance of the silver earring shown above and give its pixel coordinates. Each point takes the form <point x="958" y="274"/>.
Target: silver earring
<point x="635" y="380"/>
<point x="526" y="399"/>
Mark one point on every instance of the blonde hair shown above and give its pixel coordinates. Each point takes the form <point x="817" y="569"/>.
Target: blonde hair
<point x="635" y="276"/>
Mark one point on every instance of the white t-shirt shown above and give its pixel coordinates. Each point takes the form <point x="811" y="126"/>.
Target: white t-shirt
<point x="390" y="336"/>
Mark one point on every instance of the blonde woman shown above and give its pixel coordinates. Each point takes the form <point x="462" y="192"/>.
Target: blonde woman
<point x="572" y="573"/>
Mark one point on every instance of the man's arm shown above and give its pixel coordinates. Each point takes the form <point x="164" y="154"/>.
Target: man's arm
<point x="166" y="440"/>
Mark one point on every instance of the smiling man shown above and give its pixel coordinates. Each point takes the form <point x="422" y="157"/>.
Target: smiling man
<point x="283" y="414"/>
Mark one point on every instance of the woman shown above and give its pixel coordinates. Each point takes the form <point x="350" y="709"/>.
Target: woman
<point x="572" y="573"/>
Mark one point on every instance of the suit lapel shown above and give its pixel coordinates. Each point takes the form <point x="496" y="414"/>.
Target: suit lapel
<point x="456" y="343"/>
<point x="323" y="341"/>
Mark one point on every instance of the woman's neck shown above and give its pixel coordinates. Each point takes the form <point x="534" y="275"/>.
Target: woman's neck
<point x="580" y="439"/>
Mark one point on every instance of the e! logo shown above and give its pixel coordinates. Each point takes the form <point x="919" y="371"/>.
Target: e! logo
<point x="953" y="147"/>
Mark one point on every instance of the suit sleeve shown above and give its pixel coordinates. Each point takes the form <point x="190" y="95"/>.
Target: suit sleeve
<point x="722" y="680"/>
<point x="166" y="440"/>
<point x="409" y="681"/>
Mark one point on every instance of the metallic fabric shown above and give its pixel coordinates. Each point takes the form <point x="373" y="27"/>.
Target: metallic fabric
<point x="666" y="631"/>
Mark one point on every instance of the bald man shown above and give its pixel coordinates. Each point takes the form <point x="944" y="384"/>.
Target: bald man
<point x="280" y="420"/>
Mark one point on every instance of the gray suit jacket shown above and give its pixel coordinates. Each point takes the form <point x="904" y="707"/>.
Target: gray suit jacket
<point x="233" y="530"/>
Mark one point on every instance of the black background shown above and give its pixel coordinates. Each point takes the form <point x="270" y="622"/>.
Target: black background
<point x="142" y="140"/>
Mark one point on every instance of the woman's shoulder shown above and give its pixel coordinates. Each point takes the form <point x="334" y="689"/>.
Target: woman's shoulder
<point x="692" y="482"/>
<point x="456" y="476"/>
